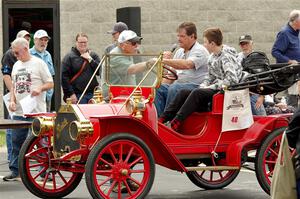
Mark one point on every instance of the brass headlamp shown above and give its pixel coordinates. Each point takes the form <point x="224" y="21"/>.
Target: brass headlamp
<point x="79" y="129"/>
<point x="41" y="125"/>
<point x="136" y="104"/>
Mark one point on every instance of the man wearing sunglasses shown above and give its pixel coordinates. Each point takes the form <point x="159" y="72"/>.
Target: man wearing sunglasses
<point x="127" y="44"/>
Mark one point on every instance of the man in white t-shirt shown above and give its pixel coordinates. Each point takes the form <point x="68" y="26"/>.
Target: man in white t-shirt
<point x="30" y="77"/>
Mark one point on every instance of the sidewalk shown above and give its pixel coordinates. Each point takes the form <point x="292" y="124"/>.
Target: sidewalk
<point x="3" y="162"/>
<point x="3" y="149"/>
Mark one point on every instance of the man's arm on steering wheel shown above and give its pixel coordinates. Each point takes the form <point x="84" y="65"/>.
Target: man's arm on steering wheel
<point x="179" y="64"/>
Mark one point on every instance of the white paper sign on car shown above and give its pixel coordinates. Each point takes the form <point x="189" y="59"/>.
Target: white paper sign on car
<point x="237" y="112"/>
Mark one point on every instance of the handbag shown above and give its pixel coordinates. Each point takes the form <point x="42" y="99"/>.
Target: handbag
<point x="75" y="77"/>
<point x="283" y="185"/>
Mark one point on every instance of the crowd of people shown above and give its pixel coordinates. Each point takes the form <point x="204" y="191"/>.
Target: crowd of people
<point x="202" y="70"/>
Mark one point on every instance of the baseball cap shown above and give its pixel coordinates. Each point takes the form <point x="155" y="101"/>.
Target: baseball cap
<point x="129" y="35"/>
<point x="40" y="34"/>
<point x="22" y="34"/>
<point x="118" y="27"/>
<point x="245" y="38"/>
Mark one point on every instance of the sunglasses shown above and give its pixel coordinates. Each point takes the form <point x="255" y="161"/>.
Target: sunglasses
<point x="133" y="43"/>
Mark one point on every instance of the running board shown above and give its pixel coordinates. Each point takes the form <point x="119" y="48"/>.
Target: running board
<point x="212" y="168"/>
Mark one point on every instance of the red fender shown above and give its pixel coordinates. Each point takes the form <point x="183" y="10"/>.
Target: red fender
<point x="126" y="124"/>
<point x="253" y="136"/>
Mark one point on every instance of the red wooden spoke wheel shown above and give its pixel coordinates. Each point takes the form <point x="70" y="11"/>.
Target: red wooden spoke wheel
<point x="120" y="166"/>
<point x="41" y="176"/>
<point x="266" y="157"/>
<point x="212" y="179"/>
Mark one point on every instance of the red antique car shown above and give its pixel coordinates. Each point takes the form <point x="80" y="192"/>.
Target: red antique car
<point x="117" y="143"/>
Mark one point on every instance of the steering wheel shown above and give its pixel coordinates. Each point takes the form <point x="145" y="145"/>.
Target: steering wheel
<point x="171" y="73"/>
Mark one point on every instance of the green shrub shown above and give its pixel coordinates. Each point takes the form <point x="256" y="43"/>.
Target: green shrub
<point x="2" y="138"/>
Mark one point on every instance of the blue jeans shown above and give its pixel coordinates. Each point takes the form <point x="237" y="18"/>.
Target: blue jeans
<point x="18" y="137"/>
<point x="8" y="143"/>
<point x="261" y="110"/>
<point x="85" y="99"/>
<point x="167" y="92"/>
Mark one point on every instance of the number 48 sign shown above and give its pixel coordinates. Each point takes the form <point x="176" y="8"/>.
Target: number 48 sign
<point x="237" y="112"/>
<point x="234" y="119"/>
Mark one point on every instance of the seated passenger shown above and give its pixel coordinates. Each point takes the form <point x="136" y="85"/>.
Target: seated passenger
<point x="190" y="61"/>
<point x="273" y="106"/>
<point x="223" y="69"/>
<point x="256" y="100"/>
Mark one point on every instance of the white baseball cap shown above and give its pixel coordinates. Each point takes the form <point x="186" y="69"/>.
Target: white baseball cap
<point x="22" y="34"/>
<point x="129" y="35"/>
<point x="40" y="34"/>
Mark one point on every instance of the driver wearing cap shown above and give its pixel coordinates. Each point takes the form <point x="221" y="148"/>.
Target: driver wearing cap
<point x="123" y="68"/>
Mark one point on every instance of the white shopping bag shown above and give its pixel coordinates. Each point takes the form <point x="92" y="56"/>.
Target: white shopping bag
<point x="283" y="185"/>
<point x="237" y="112"/>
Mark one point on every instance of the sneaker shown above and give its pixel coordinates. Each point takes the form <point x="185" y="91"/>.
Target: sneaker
<point x="175" y="124"/>
<point x="43" y="175"/>
<point x="123" y="188"/>
<point x="132" y="185"/>
<point x="11" y="177"/>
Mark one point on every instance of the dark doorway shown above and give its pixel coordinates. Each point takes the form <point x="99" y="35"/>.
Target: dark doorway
<point x="39" y="14"/>
<point x="31" y="19"/>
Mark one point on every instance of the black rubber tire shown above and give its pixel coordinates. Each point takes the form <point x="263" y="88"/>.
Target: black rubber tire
<point x="260" y="175"/>
<point x="30" y="185"/>
<point x="204" y="184"/>
<point x="100" y="146"/>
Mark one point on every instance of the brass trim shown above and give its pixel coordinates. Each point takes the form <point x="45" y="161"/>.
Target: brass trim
<point x="46" y="124"/>
<point x="72" y="108"/>
<point x="84" y="128"/>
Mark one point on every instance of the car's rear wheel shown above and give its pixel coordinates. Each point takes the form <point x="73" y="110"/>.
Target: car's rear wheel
<point x="266" y="157"/>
